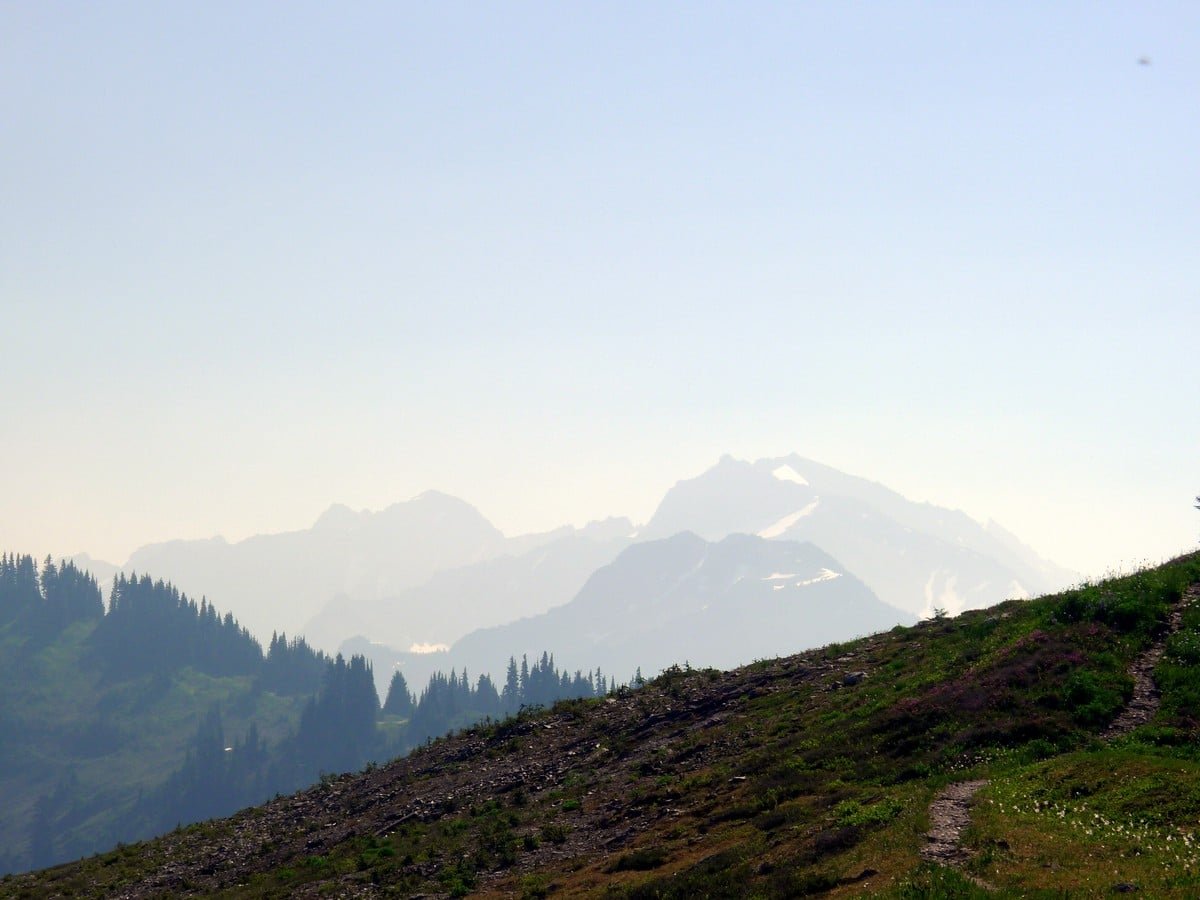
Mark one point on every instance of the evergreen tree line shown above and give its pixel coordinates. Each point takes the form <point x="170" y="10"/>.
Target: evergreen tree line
<point x="44" y="604"/>
<point x="338" y="732"/>
<point x="148" y="627"/>
<point x="151" y="628"/>
<point x="450" y="702"/>
<point x="152" y="631"/>
<point x="149" y="633"/>
<point x="214" y="780"/>
<point x="291" y="667"/>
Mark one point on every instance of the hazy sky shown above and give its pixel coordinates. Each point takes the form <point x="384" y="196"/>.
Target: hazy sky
<point x="258" y="258"/>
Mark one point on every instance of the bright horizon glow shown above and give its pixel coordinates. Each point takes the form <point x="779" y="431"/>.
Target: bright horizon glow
<point x="552" y="259"/>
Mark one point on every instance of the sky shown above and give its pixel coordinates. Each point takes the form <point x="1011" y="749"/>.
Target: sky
<point x="260" y="258"/>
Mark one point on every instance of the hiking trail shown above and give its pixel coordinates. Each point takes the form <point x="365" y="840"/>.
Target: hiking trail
<point x="949" y="813"/>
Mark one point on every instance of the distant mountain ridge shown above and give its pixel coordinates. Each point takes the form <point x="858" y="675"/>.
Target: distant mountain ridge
<point x="540" y="572"/>
<point x="915" y="556"/>
<point x="425" y="573"/>
<point x="279" y="581"/>
<point x="683" y="598"/>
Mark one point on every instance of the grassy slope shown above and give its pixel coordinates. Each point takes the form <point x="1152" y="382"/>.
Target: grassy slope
<point x="775" y="780"/>
<point x="109" y="739"/>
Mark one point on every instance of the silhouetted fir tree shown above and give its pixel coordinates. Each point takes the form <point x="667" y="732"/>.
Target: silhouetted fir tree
<point x="249" y="768"/>
<point x="463" y="695"/>
<point x="42" y="623"/>
<point x="362" y="700"/>
<point x="249" y="754"/>
<point x="487" y="698"/>
<point x="206" y="788"/>
<point x="19" y="590"/>
<point x="399" y="700"/>
<point x="53" y="813"/>
<point x="510" y="697"/>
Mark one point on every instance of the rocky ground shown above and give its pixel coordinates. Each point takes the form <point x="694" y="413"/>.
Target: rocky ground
<point x="949" y="816"/>
<point x="530" y="756"/>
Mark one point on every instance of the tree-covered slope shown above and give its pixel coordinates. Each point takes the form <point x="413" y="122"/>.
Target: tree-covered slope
<point x="802" y="775"/>
<point x="101" y="706"/>
<point x="120" y="721"/>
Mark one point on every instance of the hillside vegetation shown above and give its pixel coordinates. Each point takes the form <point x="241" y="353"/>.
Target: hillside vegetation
<point x="113" y="722"/>
<point x="123" y="721"/>
<point x="804" y="775"/>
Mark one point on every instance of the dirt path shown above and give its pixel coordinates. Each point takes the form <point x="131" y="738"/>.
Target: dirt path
<point x="1144" y="703"/>
<point x="949" y="814"/>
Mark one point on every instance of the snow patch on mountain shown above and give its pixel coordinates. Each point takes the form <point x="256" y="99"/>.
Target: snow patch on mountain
<point x="428" y="648"/>
<point x="941" y="594"/>
<point x="787" y="473"/>
<point x="824" y="575"/>
<point x="776" y="529"/>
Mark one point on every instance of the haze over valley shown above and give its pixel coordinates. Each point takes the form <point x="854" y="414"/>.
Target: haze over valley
<point x="410" y="584"/>
<point x="741" y="418"/>
<point x="552" y="262"/>
<point x="284" y="650"/>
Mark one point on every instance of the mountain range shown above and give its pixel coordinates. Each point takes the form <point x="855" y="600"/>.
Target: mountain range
<point x="683" y="599"/>
<point x="280" y="581"/>
<point x="915" y="556"/>
<point x="535" y="573"/>
<point x="432" y="573"/>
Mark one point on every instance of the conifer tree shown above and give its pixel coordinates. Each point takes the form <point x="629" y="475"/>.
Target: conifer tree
<point x="20" y="594"/>
<point x="510" y="697"/>
<point x="399" y="701"/>
<point x="486" y="700"/>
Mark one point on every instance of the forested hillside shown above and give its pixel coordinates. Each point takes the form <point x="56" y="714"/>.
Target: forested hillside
<point x="123" y="719"/>
<point x="824" y="773"/>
